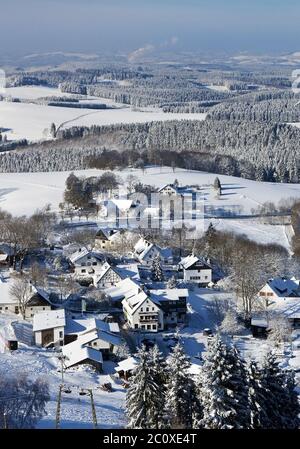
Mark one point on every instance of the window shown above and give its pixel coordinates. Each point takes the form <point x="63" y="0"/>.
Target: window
<point x="136" y="326"/>
<point x="83" y="271"/>
<point x="44" y="308"/>
<point x="147" y="309"/>
<point x="154" y="327"/>
<point x="88" y="257"/>
<point x="143" y="326"/>
<point x="94" y="263"/>
<point x="149" y="326"/>
<point x="142" y="309"/>
<point x="0" y="308"/>
<point x="6" y="308"/>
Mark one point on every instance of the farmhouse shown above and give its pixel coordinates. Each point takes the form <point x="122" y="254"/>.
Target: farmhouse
<point x="145" y="252"/>
<point x="86" y="263"/>
<point x="106" y="239"/>
<point x="38" y="300"/>
<point x="107" y="277"/>
<point x="170" y="189"/>
<point x="279" y="288"/>
<point x="48" y="327"/>
<point x="195" y="270"/>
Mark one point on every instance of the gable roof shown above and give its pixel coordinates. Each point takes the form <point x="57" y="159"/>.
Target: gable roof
<point x="49" y="320"/>
<point x="76" y="353"/>
<point x="126" y="365"/>
<point x="283" y="287"/>
<point x="75" y="257"/>
<point x="106" y="267"/>
<point x="107" y="234"/>
<point x="123" y="289"/>
<point x="189" y="261"/>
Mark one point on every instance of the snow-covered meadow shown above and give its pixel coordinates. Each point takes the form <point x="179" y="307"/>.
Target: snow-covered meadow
<point x="32" y="121"/>
<point x="23" y="193"/>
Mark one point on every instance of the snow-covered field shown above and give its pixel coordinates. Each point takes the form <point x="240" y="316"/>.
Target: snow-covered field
<point x="32" y="121"/>
<point x="23" y="193"/>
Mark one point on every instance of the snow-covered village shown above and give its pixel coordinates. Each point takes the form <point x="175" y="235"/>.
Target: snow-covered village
<point x="149" y="218"/>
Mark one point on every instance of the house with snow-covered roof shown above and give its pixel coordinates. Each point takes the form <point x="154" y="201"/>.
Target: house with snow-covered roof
<point x="126" y="367"/>
<point x="155" y="310"/>
<point x="169" y="189"/>
<point x="106" y="239"/>
<point x="279" y="288"/>
<point x="107" y="276"/>
<point x="49" y="327"/>
<point x="94" y="333"/>
<point x="86" y="263"/>
<point x="145" y="252"/>
<point x="76" y="354"/>
<point x="195" y="270"/>
<point x="37" y="299"/>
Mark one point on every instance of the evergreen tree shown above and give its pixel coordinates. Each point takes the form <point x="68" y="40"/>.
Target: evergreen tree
<point x="157" y="272"/>
<point x="179" y="390"/>
<point x="283" y="405"/>
<point x="144" y="400"/>
<point x="257" y="397"/>
<point x="224" y="388"/>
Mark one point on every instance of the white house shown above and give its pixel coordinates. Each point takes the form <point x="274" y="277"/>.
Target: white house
<point x="145" y="252"/>
<point x="106" y="239"/>
<point x="155" y="310"/>
<point x="169" y="189"/>
<point x="142" y="313"/>
<point x="37" y="301"/>
<point x="279" y="288"/>
<point x="196" y="271"/>
<point x="86" y="263"/>
<point x="48" y="327"/>
<point x="107" y="277"/>
<point x="94" y="333"/>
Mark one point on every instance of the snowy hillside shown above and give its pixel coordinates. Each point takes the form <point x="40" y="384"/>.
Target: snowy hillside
<point x="22" y="193"/>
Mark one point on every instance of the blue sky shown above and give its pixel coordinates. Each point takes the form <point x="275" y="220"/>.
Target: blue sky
<point x="114" y="25"/>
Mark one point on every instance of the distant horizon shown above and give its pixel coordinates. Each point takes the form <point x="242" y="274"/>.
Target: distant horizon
<point x="149" y="26"/>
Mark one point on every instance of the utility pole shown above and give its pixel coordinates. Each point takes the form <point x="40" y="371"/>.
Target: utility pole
<point x="93" y="408"/>
<point x="58" y="407"/>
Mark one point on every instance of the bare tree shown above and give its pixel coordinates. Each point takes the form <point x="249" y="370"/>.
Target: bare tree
<point x="22" y="400"/>
<point x="21" y="292"/>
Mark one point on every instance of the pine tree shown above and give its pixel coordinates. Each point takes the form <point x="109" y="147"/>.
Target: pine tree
<point x="257" y="396"/>
<point x="179" y="390"/>
<point x="224" y="388"/>
<point x="144" y="400"/>
<point x="159" y="375"/>
<point x="283" y="405"/>
<point x="157" y="272"/>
